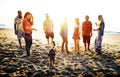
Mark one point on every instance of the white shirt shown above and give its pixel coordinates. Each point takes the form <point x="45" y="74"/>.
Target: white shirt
<point x="48" y="25"/>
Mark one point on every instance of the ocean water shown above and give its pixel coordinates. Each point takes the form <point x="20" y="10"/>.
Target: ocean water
<point x="4" y="26"/>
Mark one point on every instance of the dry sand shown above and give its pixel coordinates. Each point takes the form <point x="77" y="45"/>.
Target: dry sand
<point x="14" y="63"/>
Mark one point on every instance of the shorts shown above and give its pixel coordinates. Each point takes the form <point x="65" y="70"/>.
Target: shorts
<point x="65" y="39"/>
<point x="20" y="34"/>
<point x="86" y="39"/>
<point x="48" y="35"/>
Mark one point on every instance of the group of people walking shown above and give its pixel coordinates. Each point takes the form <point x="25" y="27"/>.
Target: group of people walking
<point x="23" y="28"/>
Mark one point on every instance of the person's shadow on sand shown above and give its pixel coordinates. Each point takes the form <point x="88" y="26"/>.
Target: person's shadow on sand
<point x="105" y="67"/>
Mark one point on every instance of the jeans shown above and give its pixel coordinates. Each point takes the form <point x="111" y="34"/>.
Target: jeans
<point x="28" y="41"/>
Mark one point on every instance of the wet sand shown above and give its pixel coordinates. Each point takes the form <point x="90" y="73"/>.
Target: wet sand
<point x="14" y="63"/>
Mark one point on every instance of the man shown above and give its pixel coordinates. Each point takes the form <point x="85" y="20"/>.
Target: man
<point x="86" y="32"/>
<point x="48" y="28"/>
<point x="18" y="27"/>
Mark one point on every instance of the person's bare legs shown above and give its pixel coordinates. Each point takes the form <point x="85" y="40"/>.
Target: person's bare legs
<point x="88" y="46"/>
<point x="85" y="46"/>
<point x="75" y="45"/>
<point x="78" y="47"/>
<point x="84" y="41"/>
<point x="66" y="45"/>
<point x="51" y="40"/>
<point x="48" y="41"/>
<point x="62" y="44"/>
<point x="88" y="41"/>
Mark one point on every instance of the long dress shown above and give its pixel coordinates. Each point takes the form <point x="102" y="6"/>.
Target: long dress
<point x="98" y="39"/>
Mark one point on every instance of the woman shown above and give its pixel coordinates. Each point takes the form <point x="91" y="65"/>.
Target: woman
<point x="98" y="40"/>
<point x="76" y="34"/>
<point x="27" y="27"/>
<point x="64" y="35"/>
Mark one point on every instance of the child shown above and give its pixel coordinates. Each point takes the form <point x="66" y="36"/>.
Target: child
<point x="51" y="54"/>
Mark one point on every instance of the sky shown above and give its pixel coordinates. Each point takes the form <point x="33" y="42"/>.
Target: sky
<point x="58" y="9"/>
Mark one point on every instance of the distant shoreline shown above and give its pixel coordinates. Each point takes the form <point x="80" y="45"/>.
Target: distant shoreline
<point x="107" y="38"/>
<point x="106" y="32"/>
<point x="111" y="32"/>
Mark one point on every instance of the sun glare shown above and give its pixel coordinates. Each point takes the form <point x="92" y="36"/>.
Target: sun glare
<point x="58" y="9"/>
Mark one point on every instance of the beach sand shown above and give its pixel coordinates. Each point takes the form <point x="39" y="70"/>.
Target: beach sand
<point x="14" y="63"/>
